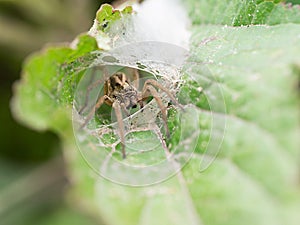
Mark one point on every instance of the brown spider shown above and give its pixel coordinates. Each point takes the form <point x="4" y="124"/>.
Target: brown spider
<point x="122" y="95"/>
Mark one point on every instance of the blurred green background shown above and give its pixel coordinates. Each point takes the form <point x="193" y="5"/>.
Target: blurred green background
<point x="32" y="174"/>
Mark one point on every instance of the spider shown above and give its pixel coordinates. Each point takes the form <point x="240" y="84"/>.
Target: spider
<point x="121" y="94"/>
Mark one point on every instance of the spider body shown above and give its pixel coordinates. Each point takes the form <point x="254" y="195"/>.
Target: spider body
<point x="122" y="95"/>
<point x="118" y="88"/>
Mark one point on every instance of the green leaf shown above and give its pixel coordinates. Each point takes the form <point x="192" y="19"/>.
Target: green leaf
<point x="253" y="176"/>
<point x="46" y="85"/>
<point x="237" y="13"/>
<point x="107" y="16"/>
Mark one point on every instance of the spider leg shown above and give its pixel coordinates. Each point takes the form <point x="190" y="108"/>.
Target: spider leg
<point x="124" y="109"/>
<point x="117" y="107"/>
<point x="158" y="85"/>
<point x="140" y="100"/>
<point x="89" y="89"/>
<point x="136" y="77"/>
<point x="141" y="103"/>
<point x="160" y="104"/>
<point x="95" y="108"/>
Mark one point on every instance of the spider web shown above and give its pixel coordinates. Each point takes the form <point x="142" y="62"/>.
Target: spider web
<point x="130" y="46"/>
<point x="148" y="149"/>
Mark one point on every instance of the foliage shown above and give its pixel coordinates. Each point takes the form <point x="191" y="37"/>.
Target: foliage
<point x="254" y="178"/>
